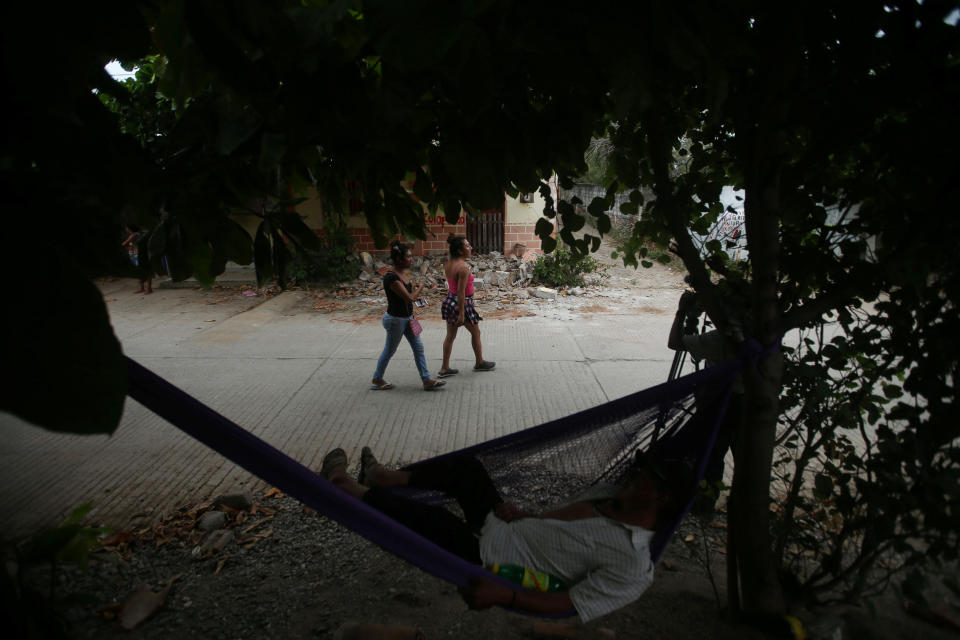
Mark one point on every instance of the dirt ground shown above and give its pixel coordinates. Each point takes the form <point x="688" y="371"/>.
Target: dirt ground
<point x="289" y="573"/>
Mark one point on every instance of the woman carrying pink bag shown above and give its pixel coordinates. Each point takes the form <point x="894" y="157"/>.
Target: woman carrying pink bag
<point x="397" y="321"/>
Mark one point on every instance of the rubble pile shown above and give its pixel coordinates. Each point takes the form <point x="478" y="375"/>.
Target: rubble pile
<point x="495" y="276"/>
<point x="492" y="270"/>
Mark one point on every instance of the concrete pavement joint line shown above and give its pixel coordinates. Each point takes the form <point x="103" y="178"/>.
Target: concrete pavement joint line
<point x="296" y="392"/>
<point x="353" y="331"/>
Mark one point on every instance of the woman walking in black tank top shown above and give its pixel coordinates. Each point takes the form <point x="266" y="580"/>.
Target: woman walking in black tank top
<point x="396" y="321"/>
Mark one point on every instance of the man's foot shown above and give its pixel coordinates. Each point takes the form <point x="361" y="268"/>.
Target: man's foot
<point x="433" y="385"/>
<point x="486" y="365"/>
<point x="367" y="463"/>
<point x="334" y="465"/>
<point x="380" y="385"/>
<point x="447" y="373"/>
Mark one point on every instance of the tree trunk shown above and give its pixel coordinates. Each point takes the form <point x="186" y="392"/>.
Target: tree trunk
<point x="759" y="586"/>
<point x="760" y="591"/>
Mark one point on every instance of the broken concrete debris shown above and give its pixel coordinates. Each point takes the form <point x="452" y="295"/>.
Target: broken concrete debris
<point x="544" y="292"/>
<point x="212" y="520"/>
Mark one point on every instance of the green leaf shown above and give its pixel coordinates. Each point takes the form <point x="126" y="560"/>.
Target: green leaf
<point x="46" y="546"/>
<point x="272" y="148"/>
<point x="236" y="242"/>
<point x="291" y="224"/>
<point x="543" y="228"/>
<point x="823" y="485"/>
<point x="892" y="391"/>
<point x="597" y="207"/>
<point x="263" y="256"/>
<point x="67" y="370"/>
<point x="422" y="187"/>
<point x="603" y="223"/>
<point x="572" y="221"/>
<point x="451" y="210"/>
<point x="77" y="514"/>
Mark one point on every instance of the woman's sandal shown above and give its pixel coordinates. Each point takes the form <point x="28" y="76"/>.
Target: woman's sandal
<point x="367" y="461"/>
<point x="333" y="461"/>
<point x="448" y="372"/>
<point x="433" y="385"/>
<point x="486" y="365"/>
<point x="386" y="386"/>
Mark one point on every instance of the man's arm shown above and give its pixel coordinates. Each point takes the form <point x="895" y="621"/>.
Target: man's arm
<point x="687" y="301"/>
<point x="484" y="593"/>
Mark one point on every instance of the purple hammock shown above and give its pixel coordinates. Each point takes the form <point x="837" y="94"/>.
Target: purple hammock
<point x="538" y="466"/>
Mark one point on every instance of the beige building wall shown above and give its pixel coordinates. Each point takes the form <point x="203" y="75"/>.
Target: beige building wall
<point x="520" y="220"/>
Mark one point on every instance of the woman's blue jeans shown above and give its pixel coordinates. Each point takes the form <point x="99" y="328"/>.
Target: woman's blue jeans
<point x="397" y="328"/>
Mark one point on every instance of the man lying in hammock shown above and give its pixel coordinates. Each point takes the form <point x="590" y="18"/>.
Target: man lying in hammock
<point x="598" y="545"/>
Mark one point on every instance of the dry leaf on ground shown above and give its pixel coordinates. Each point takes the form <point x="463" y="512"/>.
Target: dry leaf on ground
<point x="144" y="603"/>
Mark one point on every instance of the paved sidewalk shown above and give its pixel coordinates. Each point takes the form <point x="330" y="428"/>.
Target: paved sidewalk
<point x="299" y="381"/>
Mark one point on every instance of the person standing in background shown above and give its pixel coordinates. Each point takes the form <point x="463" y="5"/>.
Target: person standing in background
<point x="132" y="243"/>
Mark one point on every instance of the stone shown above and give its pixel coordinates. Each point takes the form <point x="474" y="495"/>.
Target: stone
<point x="545" y="293"/>
<point x="495" y="254"/>
<point x="502" y="277"/>
<point x="239" y="501"/>
<point x="367" y="259"/>
<point x="364" y="276"/>
<point x="212" y="520"/>
<point x="216" y="540"/>
<point x="479" y="283"/>
<point x="575" y="291"/>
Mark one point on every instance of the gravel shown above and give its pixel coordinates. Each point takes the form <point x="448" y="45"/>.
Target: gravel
<point x="306" y="576"/>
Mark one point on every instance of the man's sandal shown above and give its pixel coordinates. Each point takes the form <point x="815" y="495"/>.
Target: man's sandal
<point x="386" y="386"/>
<point x="448" y="372"/>
<point x="334" y="460"/>
<point x="367" y="462"/>
<point x="433" y="385"/>
<point x="486" y="365"/>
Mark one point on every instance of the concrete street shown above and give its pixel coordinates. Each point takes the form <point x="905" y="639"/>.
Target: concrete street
<point x="299" y="378"/>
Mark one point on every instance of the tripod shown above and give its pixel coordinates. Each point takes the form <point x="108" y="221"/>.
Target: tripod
<point x="691" y="326"/>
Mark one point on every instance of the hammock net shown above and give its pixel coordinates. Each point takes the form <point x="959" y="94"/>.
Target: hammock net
<point x="539" y="466"/>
